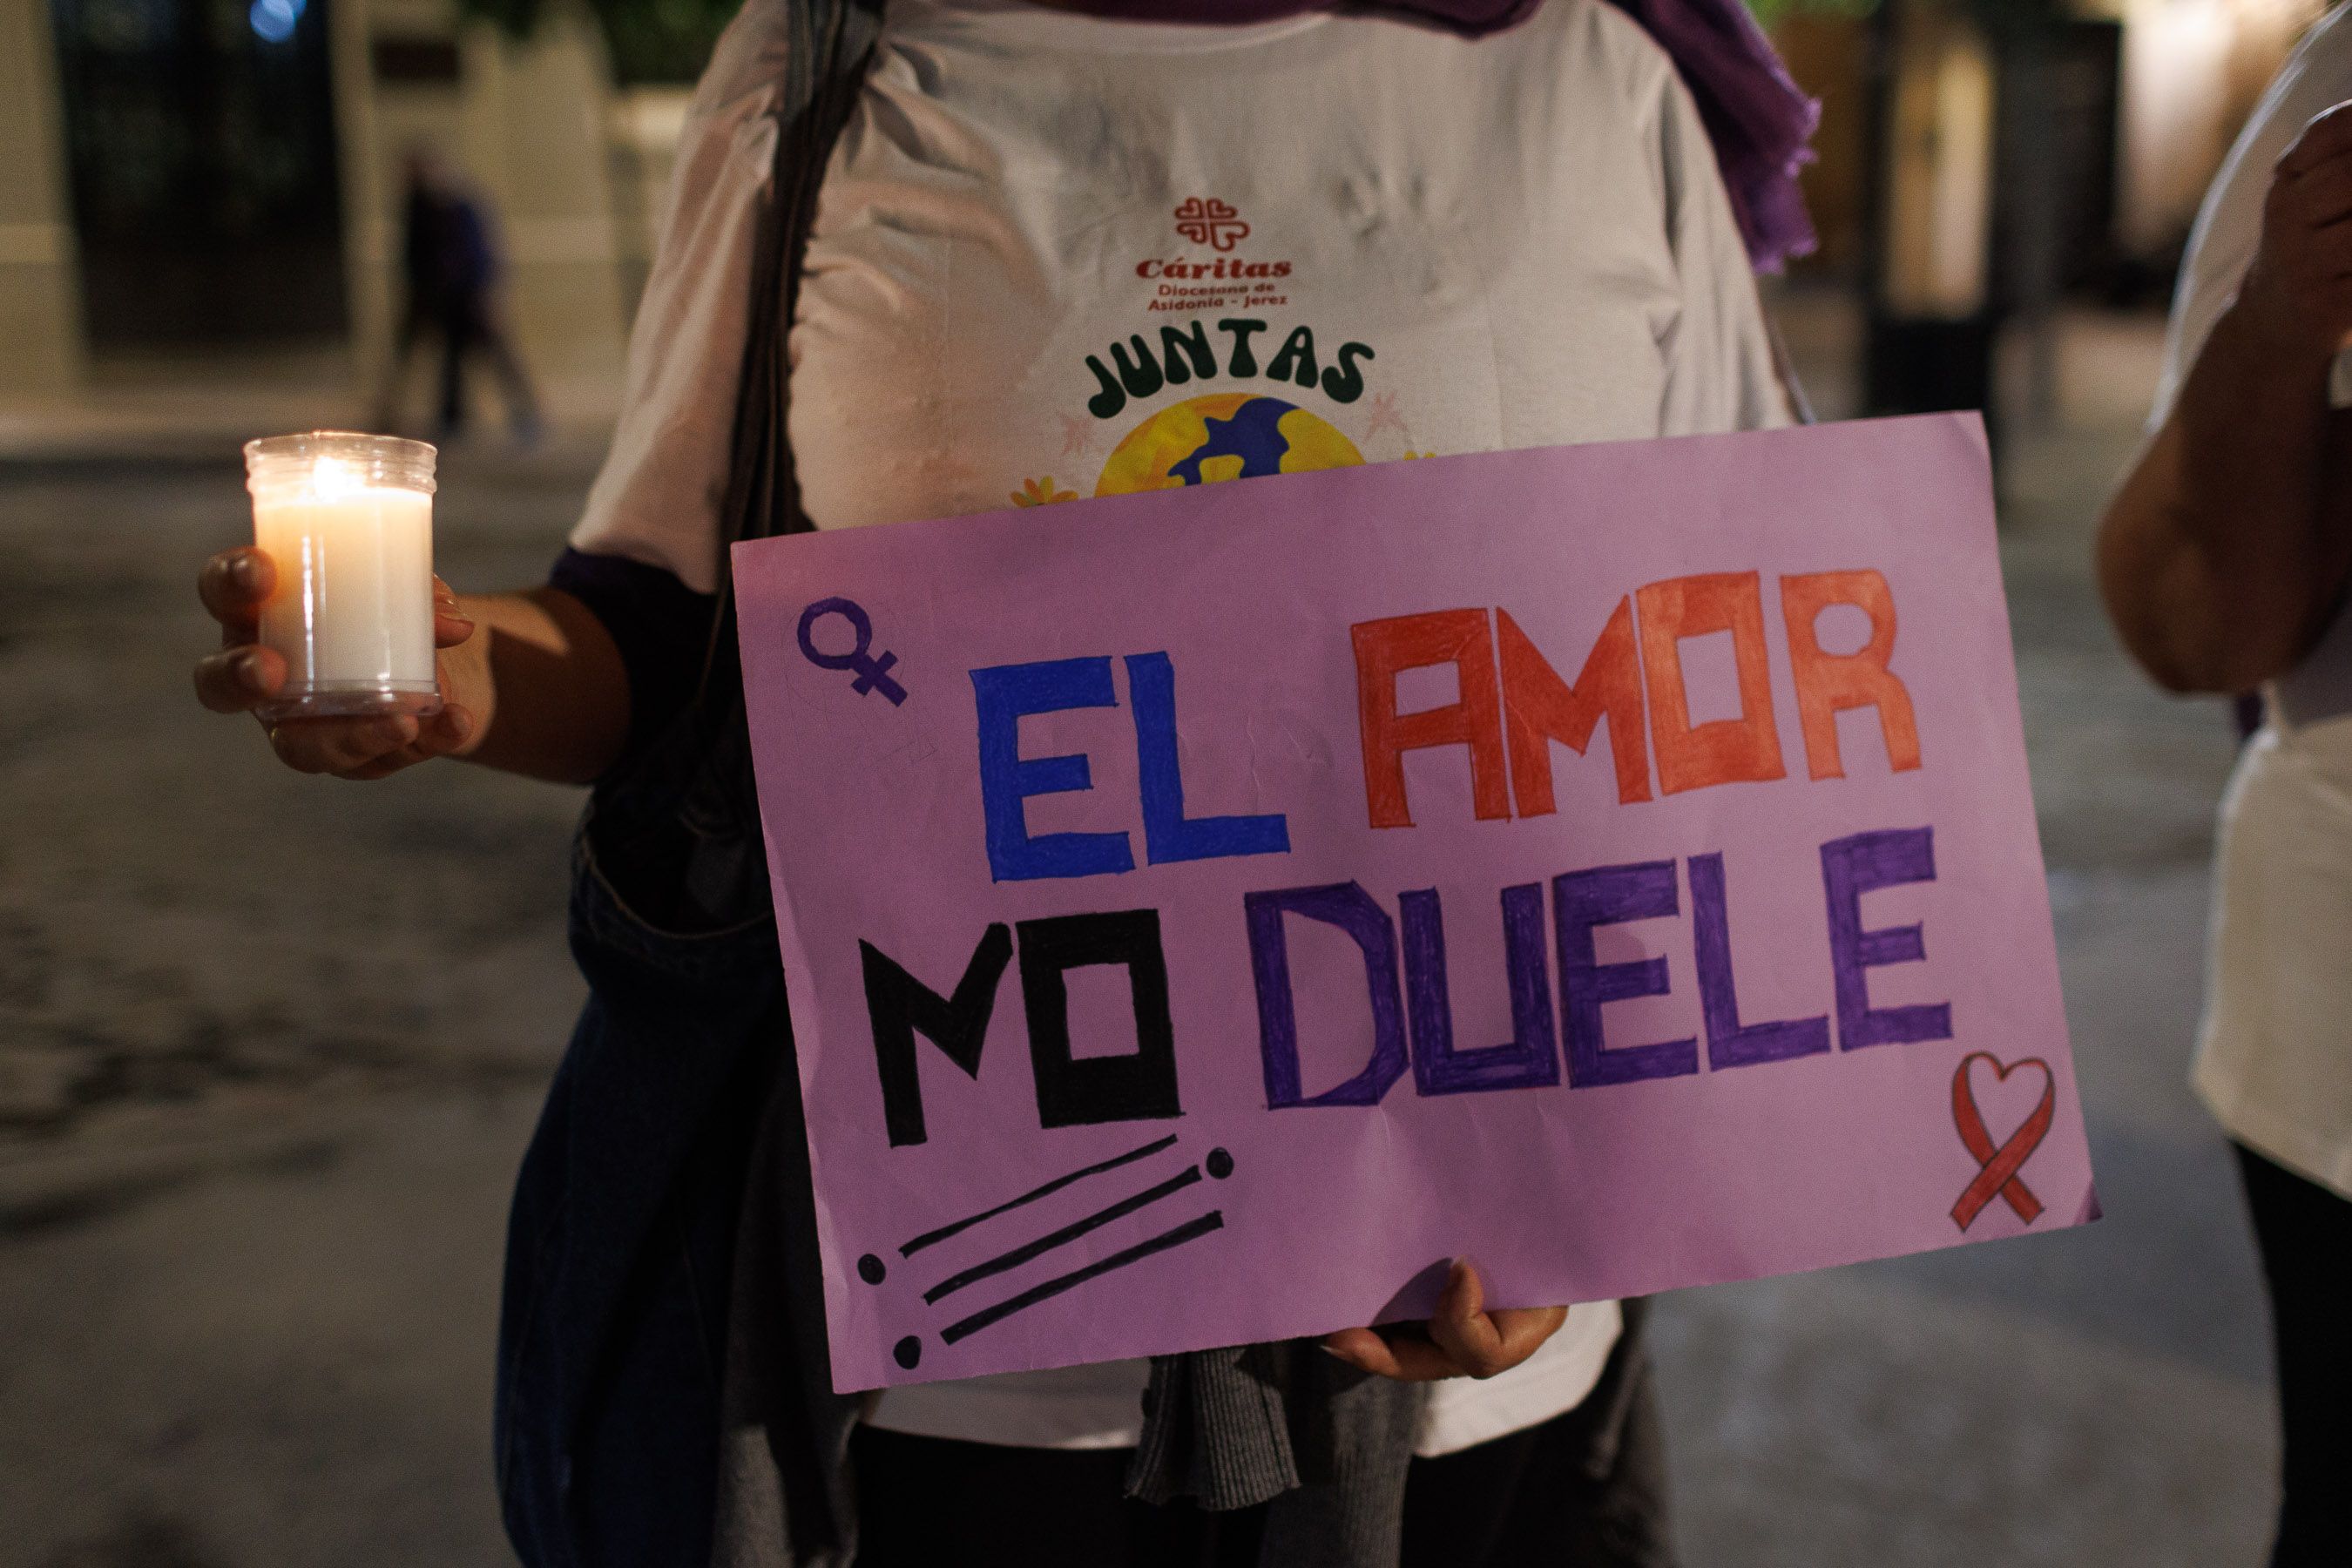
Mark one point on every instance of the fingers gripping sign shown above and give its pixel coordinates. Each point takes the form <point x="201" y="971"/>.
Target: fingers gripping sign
<point x="1462" y="1338"/>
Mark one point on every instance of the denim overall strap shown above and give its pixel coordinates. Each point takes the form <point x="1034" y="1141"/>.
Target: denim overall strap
<point x="620" y="1244"/>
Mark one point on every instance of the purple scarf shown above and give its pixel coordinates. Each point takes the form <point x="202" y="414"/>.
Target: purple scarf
<point x="1759" y="120"/>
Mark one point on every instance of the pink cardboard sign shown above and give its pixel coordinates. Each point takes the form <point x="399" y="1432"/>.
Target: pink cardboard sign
<point x="1207" y="911"/>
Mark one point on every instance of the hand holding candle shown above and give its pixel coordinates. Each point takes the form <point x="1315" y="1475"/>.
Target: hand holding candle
<point x="331" y="627"/>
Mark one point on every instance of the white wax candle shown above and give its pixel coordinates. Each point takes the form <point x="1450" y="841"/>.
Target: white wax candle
<point x="351" y="613"/>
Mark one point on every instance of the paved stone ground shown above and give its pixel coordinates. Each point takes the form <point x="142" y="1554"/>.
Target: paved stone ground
<point x="269" y="1048"/>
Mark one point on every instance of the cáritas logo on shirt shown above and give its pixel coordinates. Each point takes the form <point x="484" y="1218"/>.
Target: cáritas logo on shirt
<point x="1205" y="220"/>
<point x="1217" y="283"/>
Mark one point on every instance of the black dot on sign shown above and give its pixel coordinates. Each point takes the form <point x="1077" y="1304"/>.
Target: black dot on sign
<point x="870" y="1269"/>
<point x="907" y="1352"/>
<point x="1221" y="1164"/>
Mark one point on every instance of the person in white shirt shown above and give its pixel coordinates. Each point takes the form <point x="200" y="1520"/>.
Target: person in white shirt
<point x="2224" y="558"/>
<point x="1057" y="254"/>
<point x="1398" y="282"/>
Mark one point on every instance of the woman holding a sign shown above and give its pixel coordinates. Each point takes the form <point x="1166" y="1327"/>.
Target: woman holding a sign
<point x="982" y="253"/>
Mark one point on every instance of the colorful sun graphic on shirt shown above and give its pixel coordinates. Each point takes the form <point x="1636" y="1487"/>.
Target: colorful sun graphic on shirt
<point x="1227" y="436"/>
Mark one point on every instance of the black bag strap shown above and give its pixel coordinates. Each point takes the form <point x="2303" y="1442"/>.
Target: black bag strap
<point x="677" y="833"/>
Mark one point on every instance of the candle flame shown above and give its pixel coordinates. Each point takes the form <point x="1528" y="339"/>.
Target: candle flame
<point x="331" y="478"/>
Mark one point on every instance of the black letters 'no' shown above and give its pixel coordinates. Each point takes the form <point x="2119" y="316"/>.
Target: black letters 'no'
<point x="1072" y="1090"/>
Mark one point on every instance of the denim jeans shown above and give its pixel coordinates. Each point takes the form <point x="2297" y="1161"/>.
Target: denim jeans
<point x="622" y="1238"/>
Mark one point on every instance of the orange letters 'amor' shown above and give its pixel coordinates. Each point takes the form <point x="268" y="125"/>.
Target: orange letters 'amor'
<point x="1539" y="708"/>
<point x="1385" y="649"/>
<point x="1723" y="750"/>
<point x="1829" y="683"/>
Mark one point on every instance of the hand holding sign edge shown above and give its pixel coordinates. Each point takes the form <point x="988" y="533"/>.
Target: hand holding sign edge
<point x="1465" y="1339"/>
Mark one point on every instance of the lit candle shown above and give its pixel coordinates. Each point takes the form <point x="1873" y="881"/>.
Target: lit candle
<point x="347" y="522"/>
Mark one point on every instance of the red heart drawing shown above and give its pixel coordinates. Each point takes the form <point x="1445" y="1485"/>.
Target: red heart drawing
<point x="1999" y="1163"/>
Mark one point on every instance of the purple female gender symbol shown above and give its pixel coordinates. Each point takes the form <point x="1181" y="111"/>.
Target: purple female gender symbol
<point x="869" y="669"/>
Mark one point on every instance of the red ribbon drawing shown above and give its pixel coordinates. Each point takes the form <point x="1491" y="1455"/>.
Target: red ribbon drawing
<point x="2000" y="1164"/>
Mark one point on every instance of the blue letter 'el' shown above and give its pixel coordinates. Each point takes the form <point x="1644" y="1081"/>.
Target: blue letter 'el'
<point x="1005" y="692"/>
<point x="1168" y="833"/>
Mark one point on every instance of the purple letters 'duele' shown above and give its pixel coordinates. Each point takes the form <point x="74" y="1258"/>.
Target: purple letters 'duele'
<point x="1206" y="913"/>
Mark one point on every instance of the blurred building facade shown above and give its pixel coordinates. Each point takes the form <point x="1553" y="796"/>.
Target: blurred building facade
<point x="2129" y="105"/>
<point x="1981" y="161"/>
<point x="198" y="178"/>
<point x="189" y="180"/>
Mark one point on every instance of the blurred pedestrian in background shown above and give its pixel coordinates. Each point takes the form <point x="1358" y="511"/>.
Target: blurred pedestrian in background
<point x="450" y="265"/>
<point x="2224" y="557"/>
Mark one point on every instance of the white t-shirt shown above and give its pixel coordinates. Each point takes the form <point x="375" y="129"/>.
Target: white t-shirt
<point x="2274" y="1056"/>
<point x="1057" y="256"/>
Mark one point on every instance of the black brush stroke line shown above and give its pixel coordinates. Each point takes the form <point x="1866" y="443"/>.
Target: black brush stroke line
<point x="1191" y="1230"/>
<point x="1056" y="1186"/>
<point x="1070" y="1232"/>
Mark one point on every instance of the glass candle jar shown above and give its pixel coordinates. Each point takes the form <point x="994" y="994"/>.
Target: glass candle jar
<point x="347" y="522"/>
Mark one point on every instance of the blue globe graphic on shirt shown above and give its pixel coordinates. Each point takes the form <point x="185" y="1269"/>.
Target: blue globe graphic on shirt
<point x="1225" y="436"/>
